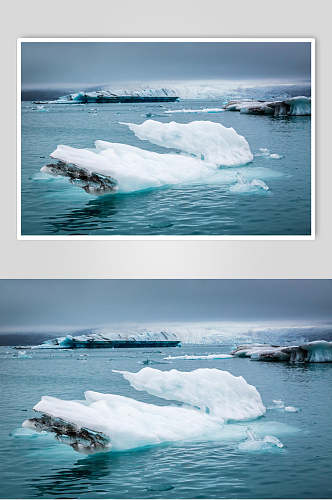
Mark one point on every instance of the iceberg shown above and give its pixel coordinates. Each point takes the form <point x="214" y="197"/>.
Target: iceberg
<point x="317" y="351"/>
<point x="209" y="141"/>
<point x="228" y="397"/>
<point x="203" y="110"/>
<point x="295" y="106"/>
<point x="103" y="338"/>
<point x="202" y="356"/>
<point x="254" y="443"/>
<point x="242" y="185"/>
<point x="128" y="168"/>
<point x="104" y="422"/>
<point x="299" y="106"/>
<point x="107" y="96"/>
<point x="114" y="167"/>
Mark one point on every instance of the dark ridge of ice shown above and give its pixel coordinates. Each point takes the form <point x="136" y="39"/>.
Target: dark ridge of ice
<point x="319" y="351"/>
<point x="80" y="439"/>
<point x="92" y="183"/>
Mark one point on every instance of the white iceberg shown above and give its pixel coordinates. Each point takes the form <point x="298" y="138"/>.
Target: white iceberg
<point x="207" y="140"/>
<point x="131" y="168"/>
<point x="254" y="443"/>
<point x="201" y="356"/>
<point x="227" y="398"/>
<point x="203" y="110"/>
<point x="114" y="167"/>
<point x="243" y="185"/>
<point x="109" y="421"/>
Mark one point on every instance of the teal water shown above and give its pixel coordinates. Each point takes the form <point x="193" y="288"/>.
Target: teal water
<point x="41" y="467"/>
<point x="52" y="206"/>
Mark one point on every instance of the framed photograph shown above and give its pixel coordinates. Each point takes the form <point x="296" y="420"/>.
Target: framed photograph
<point x="185" y="394"/>
<point x="166" y="138"/>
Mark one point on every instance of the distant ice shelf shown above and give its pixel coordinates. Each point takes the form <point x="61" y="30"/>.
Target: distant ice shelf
<point x="104" y="339"/>
<point x="106" y="96"/>
<point x="318" y="351"/>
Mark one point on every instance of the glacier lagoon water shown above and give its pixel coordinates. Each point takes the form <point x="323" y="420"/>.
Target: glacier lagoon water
<point x="51" y="206"/>
<point x="40" y="467"/>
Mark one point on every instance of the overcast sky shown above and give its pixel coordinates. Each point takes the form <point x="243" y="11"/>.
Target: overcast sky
<point x="86" y="303"/>
<point x="46" y="64"/>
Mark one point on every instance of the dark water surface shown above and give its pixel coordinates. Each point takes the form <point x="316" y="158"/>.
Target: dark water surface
<point x="52" y="206"/>
<point x="40" y="467"/>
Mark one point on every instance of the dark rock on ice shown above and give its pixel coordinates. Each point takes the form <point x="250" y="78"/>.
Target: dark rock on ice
<point x="80" y="439"/>
<point x="92" y="183"/>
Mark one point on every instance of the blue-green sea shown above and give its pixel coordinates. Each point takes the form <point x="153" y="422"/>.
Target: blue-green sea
<point x="38" y="466"/>
<point x="53" y="206"/>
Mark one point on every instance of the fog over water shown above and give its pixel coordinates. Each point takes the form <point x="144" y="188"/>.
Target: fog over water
<point x="36" y="305"/>
<point x="85" y="64"/>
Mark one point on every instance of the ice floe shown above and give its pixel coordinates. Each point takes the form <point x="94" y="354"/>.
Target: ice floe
<point x="318" y="351"/>
<point x="203" y="110"/>
<point x="254" y="443"/>
<point x="294" y="106"/>
<point x="112" y="167"/>
<point x="201" y="356"/>
<point x="243" y="185"/>
<point x="228" y="397"/>
<point x="207" y="140"/>
<point x="109" y="421"/>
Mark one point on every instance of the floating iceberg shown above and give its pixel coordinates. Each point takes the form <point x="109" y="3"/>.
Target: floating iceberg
<point x="266" y="153"/>
<point x="254" y="443"/>
<point x="207" y="140"/>
<point x="295" y="106"/>
<point x="203" y="110"/>
<point x="242" y="185"/>
<point x="201" y="356"/>
<point x="113" y="167"/>
<point x="106" y="96"/>
<point x="280" y="405"/>
<point x="227" y="398"/>
<point x="113" y="422"/>
<point x="318" y="351"/>
<point x="105" y="338"/>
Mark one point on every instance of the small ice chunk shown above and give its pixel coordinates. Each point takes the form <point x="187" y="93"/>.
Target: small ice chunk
<point x="275" y="156"/>
<point x="278" y="403"/>
<point x="291" y="409"/>
<point x="201" y="356"/>
<point x="253" y="443"/>
<point x="244" y="186"/>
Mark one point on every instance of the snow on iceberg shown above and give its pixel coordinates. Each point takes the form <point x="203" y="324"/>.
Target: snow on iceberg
<point x="228" y="397"/>
<point x="318" y="351"/>
<point x="109" y="421"/>
<point x="202" y="356"/>
<point x="207" y="140"/>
